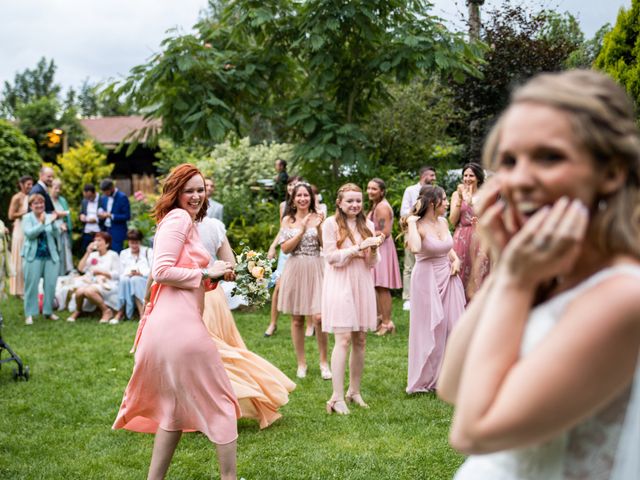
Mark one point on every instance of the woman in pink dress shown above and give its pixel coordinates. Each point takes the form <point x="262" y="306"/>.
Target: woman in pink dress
<point x="301" y="280"/>
<point x="179" y="382"/>
<point x="474" y="261"/>
<point x="386" y="273"/>
<point x="437" y="294"/>
<point x="18" y="208"/>
<point x="348" y="295"/>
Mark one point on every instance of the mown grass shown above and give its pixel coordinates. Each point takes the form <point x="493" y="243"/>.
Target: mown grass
<point x="58" y="424"/>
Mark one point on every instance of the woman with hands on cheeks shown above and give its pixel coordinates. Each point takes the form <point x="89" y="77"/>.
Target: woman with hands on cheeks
<point x="541" y="364"/>
<point x="179" y="382"/>
<point x="437" y="294"/>
<point x="301" y="281"/>
<point x="348" y="294"/>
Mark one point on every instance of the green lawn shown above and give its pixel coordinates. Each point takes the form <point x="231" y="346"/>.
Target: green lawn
<point x="58" y="424"/>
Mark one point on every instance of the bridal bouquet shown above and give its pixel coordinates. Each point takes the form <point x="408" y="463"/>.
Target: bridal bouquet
<point x="253" y="270"/>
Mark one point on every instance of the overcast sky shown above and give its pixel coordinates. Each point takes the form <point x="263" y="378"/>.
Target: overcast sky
<point x="104" y="39"/>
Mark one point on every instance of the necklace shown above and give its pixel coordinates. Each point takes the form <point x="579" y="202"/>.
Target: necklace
<point x="432" y="227"/>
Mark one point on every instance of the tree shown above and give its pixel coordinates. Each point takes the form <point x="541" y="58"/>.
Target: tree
<point x="621" y="50"/>
<point x="522" y="43"/>
<point x="315" y="70"/>
<point x="29" y="86"/>
<point x="82" y="164"/>
<point x="18" y="157"/>
<point x="585" y="55"/>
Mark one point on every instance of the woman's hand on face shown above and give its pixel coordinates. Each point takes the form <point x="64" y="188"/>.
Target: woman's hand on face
<point x="548" y="245"/>
<point x="495" y="223"/>
<point x="220" y="269"/>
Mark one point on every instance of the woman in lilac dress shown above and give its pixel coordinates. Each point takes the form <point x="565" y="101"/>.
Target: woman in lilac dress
<point x="437" y="294"/>
<point x="474" y="263"/>
<point x="386" y="273"/>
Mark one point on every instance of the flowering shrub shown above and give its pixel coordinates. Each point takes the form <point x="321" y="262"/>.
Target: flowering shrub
<point x="253" y="270"/>
<point x="141" y="219"/>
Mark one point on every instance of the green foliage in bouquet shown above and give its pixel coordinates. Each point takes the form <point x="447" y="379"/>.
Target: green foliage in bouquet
<point x="253" y="270"/>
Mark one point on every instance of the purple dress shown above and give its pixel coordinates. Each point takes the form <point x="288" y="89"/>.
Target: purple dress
<point x="386" y="272"/>
<point x="437" y="301"/>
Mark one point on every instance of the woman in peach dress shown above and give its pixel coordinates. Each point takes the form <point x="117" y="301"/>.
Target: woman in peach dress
<point x="348" y="293"/>
<point x="17" y="209"/>
<point x="179" y="382"/>
<point x="260" y="386"/>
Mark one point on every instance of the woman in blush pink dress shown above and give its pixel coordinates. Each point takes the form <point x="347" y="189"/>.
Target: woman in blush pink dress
<point x="386" y="273"/>
<point x="474" y="262"/>
<point x="348" y="295"/>
<point x="179" y="382"/>
<point x="437" y="294"/>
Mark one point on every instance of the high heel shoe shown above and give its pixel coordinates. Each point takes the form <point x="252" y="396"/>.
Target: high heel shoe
<point x="270" y="331"/>
<point x="338" y="406"/>
<point x="301" y="372"/>
<point x="386" y="328"/>
<point x="325" y="372"/>
<point x="357" y="399"/>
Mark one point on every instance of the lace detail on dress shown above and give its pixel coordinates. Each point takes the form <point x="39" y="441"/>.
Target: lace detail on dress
<point x="308" y="245"/>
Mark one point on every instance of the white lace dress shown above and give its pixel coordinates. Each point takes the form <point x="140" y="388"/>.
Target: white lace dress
<point x="588" y="450"/>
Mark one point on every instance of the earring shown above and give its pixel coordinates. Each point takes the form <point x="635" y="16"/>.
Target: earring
<point x="602" y="205"/>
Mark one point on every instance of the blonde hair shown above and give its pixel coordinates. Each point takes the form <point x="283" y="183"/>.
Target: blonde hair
<point x="35" y="196"/>
<point x="344" y="231"/>
<point x="604" y="123"/>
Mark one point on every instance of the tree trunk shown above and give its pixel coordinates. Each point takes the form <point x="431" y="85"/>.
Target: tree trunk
<point x="474" y="18"/>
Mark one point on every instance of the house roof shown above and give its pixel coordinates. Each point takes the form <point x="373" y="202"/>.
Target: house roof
<point x="111" y="131"/>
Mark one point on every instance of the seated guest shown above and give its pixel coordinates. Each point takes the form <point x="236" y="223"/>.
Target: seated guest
<point x="39" y="258"/>
<point x="89" y="215"/>
<point x="99" y="284"/>
<point x="135" y="266"/>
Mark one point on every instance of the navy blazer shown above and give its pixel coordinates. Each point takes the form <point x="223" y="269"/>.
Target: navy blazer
<point x="120" y="215"/>
<point x="48" y="203"/>
<point x="32" y="229"/>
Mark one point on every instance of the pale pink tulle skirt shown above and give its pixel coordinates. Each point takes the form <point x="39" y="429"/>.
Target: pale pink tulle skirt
<point x="301" y="285"/>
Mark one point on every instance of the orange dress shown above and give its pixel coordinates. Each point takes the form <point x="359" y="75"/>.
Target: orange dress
<point x="260" y="386"/>
<point x="179" y="382"/>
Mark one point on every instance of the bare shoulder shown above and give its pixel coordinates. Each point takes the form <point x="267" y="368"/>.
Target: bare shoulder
<point x="612" y="304"/>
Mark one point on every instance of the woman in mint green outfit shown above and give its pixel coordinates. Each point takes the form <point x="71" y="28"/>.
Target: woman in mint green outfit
<point x="39" y="258"/>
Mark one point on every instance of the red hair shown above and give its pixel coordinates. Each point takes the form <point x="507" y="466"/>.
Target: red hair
<point x="172" y="188"/>
<point x="344" y="231"/>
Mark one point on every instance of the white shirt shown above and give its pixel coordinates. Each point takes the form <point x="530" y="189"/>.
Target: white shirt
<point x="215" y="209"/>
<point x="92" y="212"/>
<point x="107" y="222"/>
<point x="212" y="234"/>
<point x="409" y="198"/>
<point x="142" y="262"/>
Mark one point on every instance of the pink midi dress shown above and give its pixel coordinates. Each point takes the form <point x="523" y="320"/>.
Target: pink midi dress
<point x="386" y="273"/>
<point x="437" y="301"/>
<point x="474" y="264"/>
<point x="179" y="382"/>
<point x="348" y="294"/>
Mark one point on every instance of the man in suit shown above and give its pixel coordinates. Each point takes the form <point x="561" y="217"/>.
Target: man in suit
<point x="42" y="186"/>
<point x="89" y="215"/>
<point x="113" y="213"/>
<point x="214" y="209"/>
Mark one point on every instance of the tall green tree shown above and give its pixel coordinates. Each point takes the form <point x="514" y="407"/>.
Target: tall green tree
<point x="18" y="157"/>
<point x="523" y="41"/>
<point x="28" y="86"/>
<point x="315" y="70"/>
<point x="620" y="52"/>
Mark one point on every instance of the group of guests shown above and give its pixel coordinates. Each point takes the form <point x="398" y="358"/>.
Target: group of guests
<point x="541" y="365"/>
<point x="41" y="250"/>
